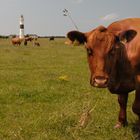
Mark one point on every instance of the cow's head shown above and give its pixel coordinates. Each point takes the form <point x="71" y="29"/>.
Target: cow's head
<point x="101" y="45"/>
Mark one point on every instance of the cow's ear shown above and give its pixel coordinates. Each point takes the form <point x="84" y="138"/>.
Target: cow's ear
<point x="76" y="35"/>
<point x="101" y="28"/>
<point x="127" y="36"/>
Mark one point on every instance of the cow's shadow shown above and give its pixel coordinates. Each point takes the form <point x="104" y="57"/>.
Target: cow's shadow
<point x="136" y="131"/>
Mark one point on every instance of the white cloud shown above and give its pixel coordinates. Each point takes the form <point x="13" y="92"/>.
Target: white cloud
<point x="110" y="17"/>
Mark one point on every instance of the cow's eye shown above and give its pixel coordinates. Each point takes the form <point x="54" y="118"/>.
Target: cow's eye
<point x="89" y="52"/>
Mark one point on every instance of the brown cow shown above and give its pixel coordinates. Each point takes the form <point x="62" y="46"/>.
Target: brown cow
<point x="16" y="41"/>
<point x="51" y="38"/>
<point x="114" y="61"/>
<point x="29" y="39"/>
<point x="36" y="44"/>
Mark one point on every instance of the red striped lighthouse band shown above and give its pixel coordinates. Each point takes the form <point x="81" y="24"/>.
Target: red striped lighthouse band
<point x="21" y="26"/>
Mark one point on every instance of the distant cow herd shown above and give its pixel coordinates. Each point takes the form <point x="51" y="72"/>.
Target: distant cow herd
<point x="114" y="61"/>
<point x="16" y="41"/>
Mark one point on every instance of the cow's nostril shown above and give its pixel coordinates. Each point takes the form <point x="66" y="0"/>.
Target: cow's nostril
<point x="100" y="81"/>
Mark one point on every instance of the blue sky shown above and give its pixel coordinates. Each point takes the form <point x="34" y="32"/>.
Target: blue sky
<point x="45" y="17"/>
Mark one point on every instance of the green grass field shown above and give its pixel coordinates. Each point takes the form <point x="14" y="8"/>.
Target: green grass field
<point x="44" y="92"/>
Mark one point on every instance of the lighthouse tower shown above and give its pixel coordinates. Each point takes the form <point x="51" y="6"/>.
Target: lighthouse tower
<point x="21" y="31"/>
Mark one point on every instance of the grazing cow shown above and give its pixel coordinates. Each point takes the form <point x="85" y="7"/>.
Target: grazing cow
<point x="28" y="39"/>
<point x="114" y="61"/>
<point x="51" y="38"/>
<point x="16" y="41"/>
<point x="36" y="44"/>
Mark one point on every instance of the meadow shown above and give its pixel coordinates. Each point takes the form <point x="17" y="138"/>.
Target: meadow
<point x="45" y="94"/>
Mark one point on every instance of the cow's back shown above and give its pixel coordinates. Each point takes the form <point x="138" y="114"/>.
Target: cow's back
<point x="123" y="25"/>
<point x="133" y="47"/>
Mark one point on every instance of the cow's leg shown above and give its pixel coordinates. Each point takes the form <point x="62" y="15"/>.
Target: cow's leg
<point x="122" y="119"/>
<point x="136" y="104"/>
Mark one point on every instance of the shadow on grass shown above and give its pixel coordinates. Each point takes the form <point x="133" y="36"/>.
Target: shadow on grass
<point x="136" y="130"/>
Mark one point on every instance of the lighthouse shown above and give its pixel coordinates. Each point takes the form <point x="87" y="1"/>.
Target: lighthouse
<point x="21" y="30"/>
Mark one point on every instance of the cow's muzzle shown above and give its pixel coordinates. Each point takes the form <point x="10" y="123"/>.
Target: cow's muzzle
<point x="99" y="81"/>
